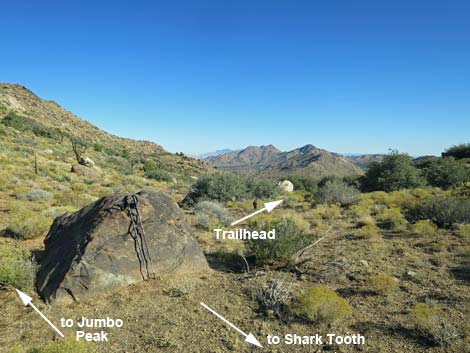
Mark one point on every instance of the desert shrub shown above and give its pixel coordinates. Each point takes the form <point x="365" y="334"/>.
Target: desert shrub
<point x="424" y="227"/>
<point x="150" y="165"/>
<point x="98" y="147"/>
<point x="429" y="321"/>
<point x="321" y="304"/>
<point x="291" y="236"/>
<point x="67" y="345"/>
<point x="392" y="219"/>
<point x="210" y="214"/>
<point x="35" y="195"/>
<point x="369" y="232"/>
<point x="336" y="192"/>
<point x="395" y="172"/>
<point x="16" y="268"/>
<point x="444" y="211"/>
<point x="458" y="151"/>
<point x="445" y="172"/>
<point x="273" y="296"/>
<point x="381" y="284"/>
<point x="23" y="123"/>
<point x="159" y="175"/>
<point x="303" y="183"/>
<point x="218" y="186"/>
<point x="261" y="188"/>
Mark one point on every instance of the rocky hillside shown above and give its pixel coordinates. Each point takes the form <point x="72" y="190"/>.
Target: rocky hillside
<point x="47" y="116"/>
<point x="362" y="161"/>
<point x="268" y="160"/>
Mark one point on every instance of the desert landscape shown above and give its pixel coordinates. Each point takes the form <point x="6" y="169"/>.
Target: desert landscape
<point x="376" y="246"/>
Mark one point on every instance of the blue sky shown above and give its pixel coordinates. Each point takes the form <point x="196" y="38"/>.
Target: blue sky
<point x="196" y="76"/>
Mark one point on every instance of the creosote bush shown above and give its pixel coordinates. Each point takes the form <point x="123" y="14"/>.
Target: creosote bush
<point x="381" y="283"/>
<point x="369" y="232"/>
<point x="26" y="224"/>
<point x="464" y="231"/>
<point x="291" y="236"/>
<point x="322" y="304"/>
<point x="16" y="268"/>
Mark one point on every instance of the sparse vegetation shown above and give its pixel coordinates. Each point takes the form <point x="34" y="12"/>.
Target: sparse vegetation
<point x="67" y="345"/>
<point x="322" y="304"/>
<point x="424" y="228"/>
<point x="16" y="268"/>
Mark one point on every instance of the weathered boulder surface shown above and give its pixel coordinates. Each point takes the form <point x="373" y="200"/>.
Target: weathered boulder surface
<point x="92" y="250"/>
<point x="87" y="162"/>
<point x="286" y="186"/>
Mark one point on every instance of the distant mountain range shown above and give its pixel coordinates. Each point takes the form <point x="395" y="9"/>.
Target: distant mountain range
<point x="306" y="160"/>
<point x="217" y="153"/>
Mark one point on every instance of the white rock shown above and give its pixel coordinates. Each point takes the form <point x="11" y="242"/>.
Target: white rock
<point x="286" y="186"/>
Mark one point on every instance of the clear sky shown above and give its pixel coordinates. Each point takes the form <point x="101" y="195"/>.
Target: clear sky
<point x="195" y="76"/>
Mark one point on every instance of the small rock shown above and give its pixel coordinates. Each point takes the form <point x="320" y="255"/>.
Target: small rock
<point x="87" y="162"/>
<point x="411" y="274"/>
<point x="364" y="263"/>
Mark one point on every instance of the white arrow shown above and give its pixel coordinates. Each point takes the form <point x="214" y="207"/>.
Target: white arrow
<point x="268" y="206"/>
<point x="26" y="299"/>
<point x="249" y="338"/>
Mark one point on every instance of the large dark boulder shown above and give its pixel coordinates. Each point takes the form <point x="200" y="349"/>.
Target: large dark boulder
<point x="92" y="250"/>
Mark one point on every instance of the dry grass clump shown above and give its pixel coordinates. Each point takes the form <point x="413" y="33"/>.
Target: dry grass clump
<point x="381" y="284"/>
<point x="322" y="304"/>
<point x="430" y="321"/>
<point x="369" y="232"/>
<point x="424" y="228"/>
<point x="392" y="219"/>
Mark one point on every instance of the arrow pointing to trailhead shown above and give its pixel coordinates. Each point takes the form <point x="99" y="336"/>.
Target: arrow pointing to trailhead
<point x="249" y="338"/>
<point x="26" y="299"/>
<point x="268" y="207"/>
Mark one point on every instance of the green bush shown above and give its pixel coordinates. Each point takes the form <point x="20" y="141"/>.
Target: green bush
<point x="23" y="123"/>
<point x="261" y="188"/>
<point x="303" y="183"/>
<point x="321" y="304"/>
<point x="16" y="268"/>
<point x="26" y="224"/>
<point x="445" y="172"/>
<point x="291" y="236"/>
<point x="218" y="186"/>
<point x="210" y="214"/>
<point x="392" y="219"/>
<point x="458" y="151"/>
<point x="395" y="172"/>
<point x="336" y="192"/>
<point x="445" y="211"/>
